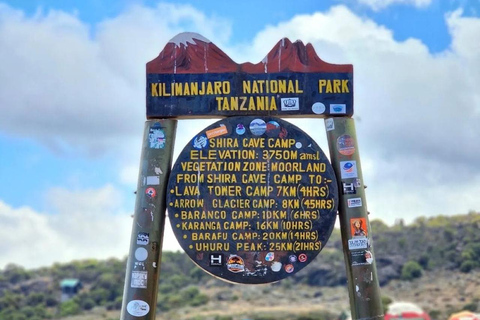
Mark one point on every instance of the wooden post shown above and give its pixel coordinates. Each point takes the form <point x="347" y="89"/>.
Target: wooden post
<point x="363" y="287"/>
<point x="143" y="264"/>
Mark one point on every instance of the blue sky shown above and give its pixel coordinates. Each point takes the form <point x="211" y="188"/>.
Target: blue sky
<point x="72" y="100"/>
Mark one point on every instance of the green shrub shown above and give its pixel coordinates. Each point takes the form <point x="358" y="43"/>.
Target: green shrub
<point x="199" y="299"/>
<point x="35" y="298"/>
<point x="385" y="302"/>
<point x="472" y="306"/>
<point x="87" y="304"/>
<point x="69" y="308"/>
<point x="435" y="314"/>
<point x="317" y="315"/>
<point x="411" y="270"/>
<point x="467" y="266"/>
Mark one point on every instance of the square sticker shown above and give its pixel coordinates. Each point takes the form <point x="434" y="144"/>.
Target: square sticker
<point x="139" y="279"/>
<point x="329" y="124"/>
<point x="348" y="169"/>
<point x="358" y="227"/>
<point x="354" y="202"/>
<point x="358" y="243"/>
<point x="289" y="104"/>
<point x="216" y="132"/>
<point x="362" y="257"/>
<point x="143" y="238"/>
<point x="338" y="108"/>
<point x="349" y="188"/>
<point x="216" y="260"/>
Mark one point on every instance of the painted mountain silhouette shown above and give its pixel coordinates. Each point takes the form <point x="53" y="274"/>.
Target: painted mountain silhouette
<point x="192" y="53"/>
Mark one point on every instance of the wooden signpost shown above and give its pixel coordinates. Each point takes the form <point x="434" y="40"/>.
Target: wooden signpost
<point x="252" y="198"/>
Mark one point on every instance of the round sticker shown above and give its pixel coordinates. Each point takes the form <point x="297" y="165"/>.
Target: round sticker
<point x="276" y="266"/>
<point x="243" y="207"/>
<point x="289" y="268"/>
<point x="141" y="254"/>
<point x="150" y="192"/>
<point x="273" y="129"/>
<point x="270" y="256"/>
<point x="302" y="257"/>
<point x="258" y="127"/>
<point x="200" y="142"/>
<point x="235" y="264"/>
<point x="138" y="308"/>
<point x="346" y="145"/>
<point x="318" y="108"/>
<point x="240" y="129"/>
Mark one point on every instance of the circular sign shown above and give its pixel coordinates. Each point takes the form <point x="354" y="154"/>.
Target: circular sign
<point x="252" y="199"/>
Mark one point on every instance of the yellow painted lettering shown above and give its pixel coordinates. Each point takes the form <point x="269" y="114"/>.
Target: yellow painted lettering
<point x="247" y="86"/>
<point x="345" y="86"/>
<point x="154" y="89"/>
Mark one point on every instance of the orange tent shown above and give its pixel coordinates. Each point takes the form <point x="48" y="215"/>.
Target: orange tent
<point x="464" y="315"/>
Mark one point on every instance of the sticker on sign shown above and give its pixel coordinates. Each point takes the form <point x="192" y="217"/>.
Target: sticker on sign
<point x="358" y="243"/>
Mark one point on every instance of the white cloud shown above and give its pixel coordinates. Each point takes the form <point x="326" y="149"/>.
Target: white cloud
<point x="463" y="31"/>
<point x="129" y="174"/>
<point x="87" y="224"/>
<point x="382" y="4"/>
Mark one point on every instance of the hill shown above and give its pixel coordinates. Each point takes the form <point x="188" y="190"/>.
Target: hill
<point x="434" y="262"/>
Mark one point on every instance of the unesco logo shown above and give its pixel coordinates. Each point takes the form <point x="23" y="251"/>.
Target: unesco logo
<point x="289" y="104"/>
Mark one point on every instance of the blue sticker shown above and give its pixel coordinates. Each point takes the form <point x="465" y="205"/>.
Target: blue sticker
<point x="156" y="137"/>
<point x="200" y="142"/>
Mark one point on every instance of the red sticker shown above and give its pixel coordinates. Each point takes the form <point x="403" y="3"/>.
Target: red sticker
<point x="302" y="257"/>
<point x="289" y="268"/>
<point x="151" y="192"/>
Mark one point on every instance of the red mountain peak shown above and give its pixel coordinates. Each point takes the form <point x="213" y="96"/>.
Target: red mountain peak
<point x="192" y="53"/>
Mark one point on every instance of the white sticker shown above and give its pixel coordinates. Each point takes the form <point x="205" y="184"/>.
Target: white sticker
<point x="354" y="202"/>
<point x="141" y="254"/>
<point x="318" y="108"/>
<point x="151" y="181"/>
<point x="289" y="104"/>
<point x="139" y="279"/>
<point x="357" y="243"/>
<point x="329" y="125"/>
<point x="348" y="169"/>
<point x="338" y="108"/>
<point x="138" y="308"/>
<point x="276" y="266"/>
<point x="143" y="238"/>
